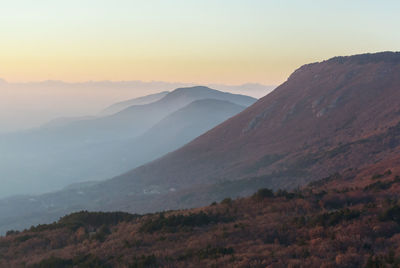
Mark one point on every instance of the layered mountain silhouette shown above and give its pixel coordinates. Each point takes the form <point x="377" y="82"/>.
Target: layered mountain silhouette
<point x="128" y="123"/>
<point x="179" y="128"/>
<point x="77" y="150"/>
<point x="327" y="117"/>
<point x="112" y="109"/>
<point x="117" y="107"/>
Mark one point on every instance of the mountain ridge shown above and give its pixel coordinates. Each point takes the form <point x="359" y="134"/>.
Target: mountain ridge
<point x="246" y="124"/>
<point x="67" y="152"/>
<point x="327" y="118"/>
<point x="119" y="106"/>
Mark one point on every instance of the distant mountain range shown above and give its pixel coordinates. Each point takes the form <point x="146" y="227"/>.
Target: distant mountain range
<point x="28" y="105"/>
<point x="117" y="107"/>
<point x="252" y="88"/>
<point x="71" y="150"/>
<point x="177" y="129"/>
<point x="112" y="109"/>
<point x="328" y="117"/>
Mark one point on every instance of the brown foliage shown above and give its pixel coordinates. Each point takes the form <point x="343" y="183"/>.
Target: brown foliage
<point x="314" y="227"/>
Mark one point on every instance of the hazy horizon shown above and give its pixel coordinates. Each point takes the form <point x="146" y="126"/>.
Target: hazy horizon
<point x="212" y="43"/>
<point x="186" y="133"/>
<point x="31" y="104"/>
<point x="217" y="42"/>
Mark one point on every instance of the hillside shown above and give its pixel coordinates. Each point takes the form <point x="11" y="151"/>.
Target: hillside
<point x="345" y="220"/>
<point x="70" y="151"/>
<point x="170" y="133"/>
<point x="177" y="129"/>
<point x="327" y="117"/>
<point x="322" y="108"/>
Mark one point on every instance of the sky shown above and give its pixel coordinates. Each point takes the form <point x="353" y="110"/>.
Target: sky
<point x="189" y="41"/>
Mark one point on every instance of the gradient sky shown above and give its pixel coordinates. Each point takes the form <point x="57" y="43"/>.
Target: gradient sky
<point x="207" y="41"/>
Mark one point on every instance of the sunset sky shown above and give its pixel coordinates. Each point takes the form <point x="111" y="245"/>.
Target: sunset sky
<point x="208" y="41"/>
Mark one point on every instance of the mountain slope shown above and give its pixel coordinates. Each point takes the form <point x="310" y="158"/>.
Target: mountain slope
<point x="297" y="131"/>
<point x="327" y="117"/>
<point x="170" y="133"/>
<point x="348" y="220"/>
<point x="179" y="128"/>
<point x="56" y="155"/>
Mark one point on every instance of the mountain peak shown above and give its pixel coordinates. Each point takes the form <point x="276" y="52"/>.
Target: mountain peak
<point x="193" y="89"/>
<point x="386" y="56"/>
<point x="202" y="92"/>
<point x="349" y="66"/>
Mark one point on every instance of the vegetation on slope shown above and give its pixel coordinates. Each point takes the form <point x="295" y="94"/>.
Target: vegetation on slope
<point x="336" y="222"/>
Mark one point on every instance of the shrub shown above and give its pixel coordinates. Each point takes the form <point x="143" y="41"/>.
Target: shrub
<point x="86" y="219"/>
<point x="207" y="253"/>
<point x="377" y="186"/>
<point x="227" y="201"/>
<point x="54" y="262"/>
<point x="102" y="233"/>
<point x="94" y="219"/>
<point x="328" y="219"/>
<point x="263" y="193"/>
<point x="144" y="261"/>
<point x="24" y="238"/>
<point x="12" y="232"/>
<point x="333" y="218"/>
<point x="387" y="260"/>
<point x="289" y="195"/>
<point x="325" y="180"/>
<point x="387" y="172"/>
<point x="391" y="214"/>
<point x="175" y="222"/>
<point x="83" y="261"/>
<point x="376" y="176"/>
